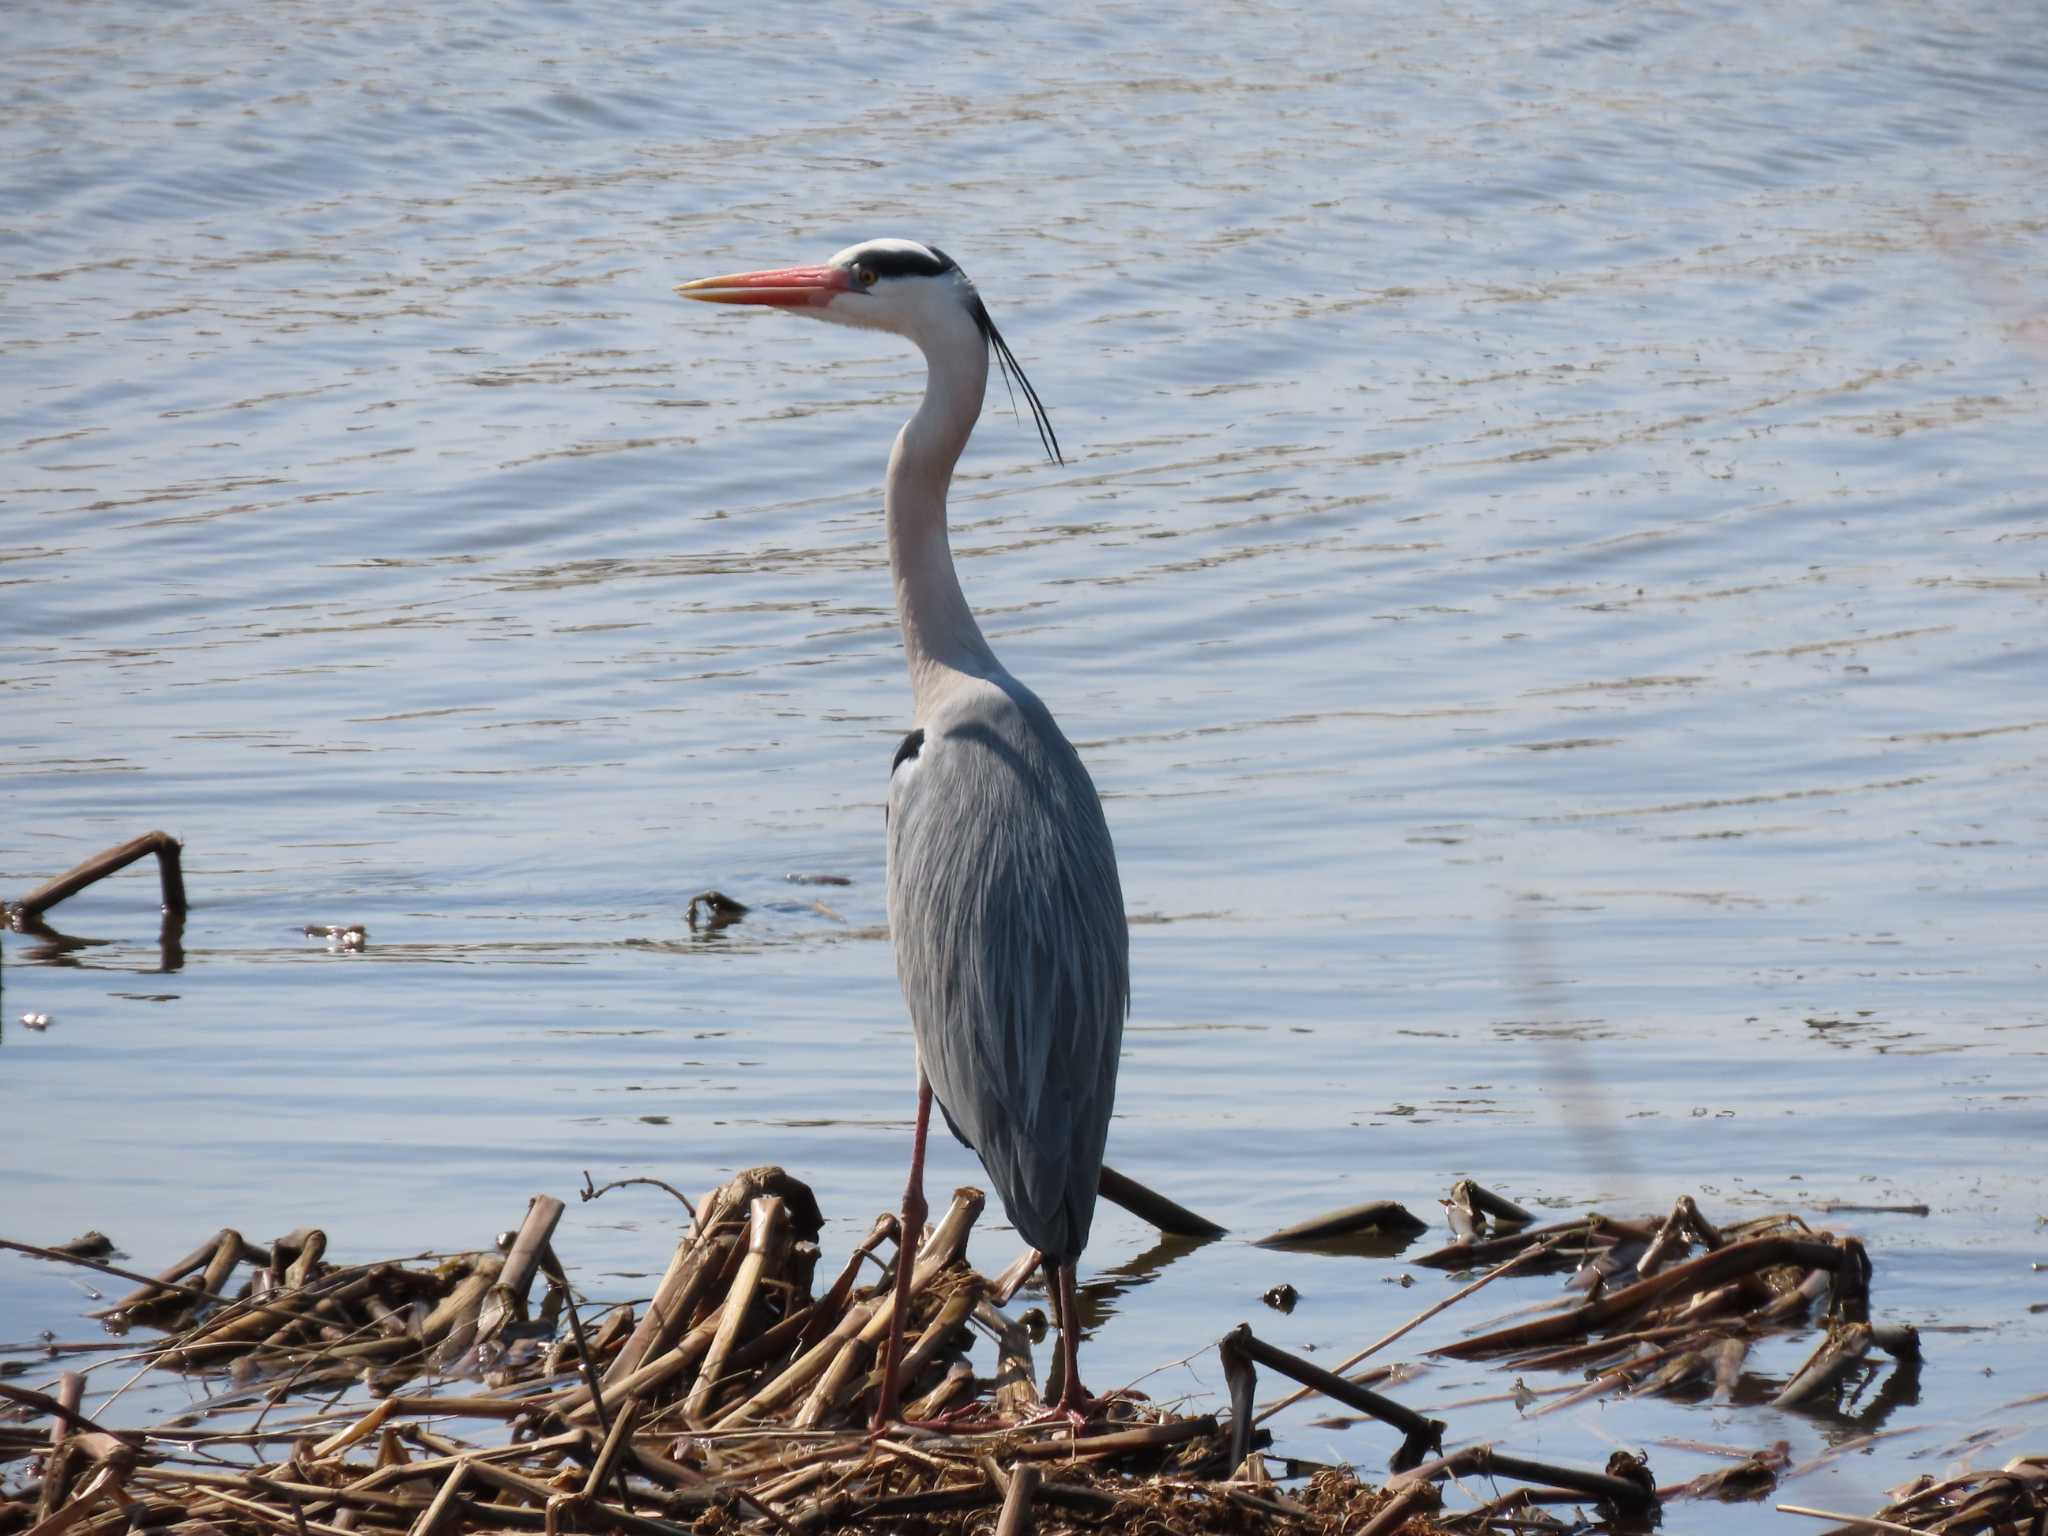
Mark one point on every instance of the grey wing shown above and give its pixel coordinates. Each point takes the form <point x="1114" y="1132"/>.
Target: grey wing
<point x="1012" y="949"/>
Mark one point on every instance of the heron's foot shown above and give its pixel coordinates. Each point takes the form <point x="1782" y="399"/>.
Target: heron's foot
<point x="1075" y="1419"/>
<point x="1076" y="1406"/>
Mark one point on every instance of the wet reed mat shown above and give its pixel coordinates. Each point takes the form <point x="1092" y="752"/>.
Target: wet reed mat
<point x="469" y="1393"/>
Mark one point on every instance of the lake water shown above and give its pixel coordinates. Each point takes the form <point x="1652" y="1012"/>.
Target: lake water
<point x="1551" y="581"/>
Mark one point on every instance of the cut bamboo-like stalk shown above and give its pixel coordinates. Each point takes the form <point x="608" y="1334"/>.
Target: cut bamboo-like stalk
<point x="1015" y="1519"/>
<point x="837" y="1385"/>
<point x="952" y="1317"/>
<point x="442" y="1509"/>
<point x="1411" y="1498"/>
<point x="1835" y="1355"/>
<point x="577" y="1405"/>
<point x="833" y="1303"/>
<point x="451" y="1326"/>
<point x="959" y="1379"/>
<point x="1011" y="1280"/>
<point x="1477" y="1197"/>
<point x="231" y="1333"/>
<point x="507" y="1301"/>
<point x="697" y="1264"/>
<point x="305" y="1264"/>
<point x="767" y="1238"/>
<point x="227" y="1253"/>
<point x="1727" y="1356"/>
<point x="156" y="1295"/>
<point x="607" y="1460"/>
<point x="948" y="1241"/>
<point x="864" y="1324"/>
<point x="1242" y="1378"/>
<point x="58" y="1466"/>
<point x="1016" y="1385"/>
<point x="815" y="1360"/>
<point x="362" y="1429"/>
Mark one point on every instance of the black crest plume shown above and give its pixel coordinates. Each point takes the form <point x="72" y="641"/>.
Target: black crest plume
<point x="1006" y="360"/>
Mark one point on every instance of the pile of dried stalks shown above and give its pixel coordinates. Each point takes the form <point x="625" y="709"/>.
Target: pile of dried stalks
<point x="738" y="1397"/>
<point x="2010" y="1501"/>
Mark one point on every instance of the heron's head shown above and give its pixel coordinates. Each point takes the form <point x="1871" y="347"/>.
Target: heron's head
<point x="904" y="286"/>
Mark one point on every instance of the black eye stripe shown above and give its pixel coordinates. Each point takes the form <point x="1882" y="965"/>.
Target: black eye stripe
<point x="901" y="261"/>
<point x="912" y="745"/>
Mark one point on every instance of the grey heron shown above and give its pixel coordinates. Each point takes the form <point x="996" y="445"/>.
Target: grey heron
<point x="1004" y="904"/>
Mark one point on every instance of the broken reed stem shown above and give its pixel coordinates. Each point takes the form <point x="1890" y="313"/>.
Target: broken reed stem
<point x="553" y="1268"/>
<point x="767" y="1238"/>
<point x="1710" y="1269"/>
<point x="1392" y="1515"/>
<point x="150" y="1283"/>
<point x="1016" y="1384"/>
<point x="1525" y="1256"/>
<point x="522" y="1261"/>
<point x="952" y="1317"/>
<point x="170" y="876"/>
<point x="1420" y="1433"/>
<point x="1011" y="1280"/>
<point x="1149" y="1205"/>
<point x="1015" y="1519"/>
<point x="1855" y="1523"/>
<point x="698" y="1261"/>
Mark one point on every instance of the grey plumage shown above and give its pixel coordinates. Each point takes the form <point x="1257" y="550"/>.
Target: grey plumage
<point x="1003" y="896"/>
<point x="1012" y="948"/>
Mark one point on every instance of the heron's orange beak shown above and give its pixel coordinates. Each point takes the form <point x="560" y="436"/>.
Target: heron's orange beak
<point x="783" y="287"/>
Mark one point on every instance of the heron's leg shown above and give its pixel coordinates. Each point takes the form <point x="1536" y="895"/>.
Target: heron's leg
<point x="914" y="1212"/>
<point x="1074" y="1399"/>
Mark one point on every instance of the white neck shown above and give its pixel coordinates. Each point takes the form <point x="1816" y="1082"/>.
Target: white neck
<point x="940" y="638"/>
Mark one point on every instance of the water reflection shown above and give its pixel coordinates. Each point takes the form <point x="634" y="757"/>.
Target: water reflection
<point x="69" y="951"/>
<point x="1096" y="1296"/>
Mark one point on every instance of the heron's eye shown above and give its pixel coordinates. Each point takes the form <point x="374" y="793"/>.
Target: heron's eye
<point x="866" y="276"/>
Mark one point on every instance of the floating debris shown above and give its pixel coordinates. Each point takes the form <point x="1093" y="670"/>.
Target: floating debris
<point x="25" y="915"/>
<point x="719" y="910"/>
<point x="339" y="936"/>
<point x="1376" y="1219"/>
<point x="2013" y="1498"/>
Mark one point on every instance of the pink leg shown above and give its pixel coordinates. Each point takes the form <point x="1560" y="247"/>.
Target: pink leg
<point x="914" y="1211"/>
<point x="1074" y="1398"/>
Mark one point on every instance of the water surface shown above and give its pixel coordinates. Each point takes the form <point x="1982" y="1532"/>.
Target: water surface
<point x="1551" y="581"/>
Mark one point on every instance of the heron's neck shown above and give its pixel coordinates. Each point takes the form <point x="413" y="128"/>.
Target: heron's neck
<point x="940" y="638"/>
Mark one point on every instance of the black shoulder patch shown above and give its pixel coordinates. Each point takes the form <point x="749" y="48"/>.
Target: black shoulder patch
<point x="912" y="745"/>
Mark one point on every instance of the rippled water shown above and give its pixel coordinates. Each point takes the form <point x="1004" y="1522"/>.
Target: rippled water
<point x="1551" y="580"/>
